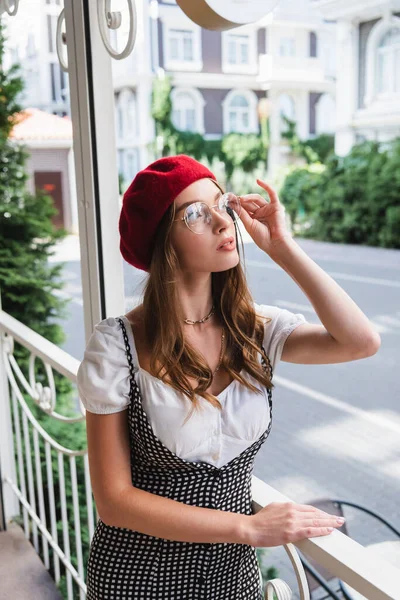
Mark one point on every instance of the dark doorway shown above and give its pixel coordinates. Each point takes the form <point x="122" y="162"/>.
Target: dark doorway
<point x="50" y="182"/>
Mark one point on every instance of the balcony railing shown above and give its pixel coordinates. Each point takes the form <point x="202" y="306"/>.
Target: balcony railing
<point x="293" y="70"/>
<point x="56" y="503"/>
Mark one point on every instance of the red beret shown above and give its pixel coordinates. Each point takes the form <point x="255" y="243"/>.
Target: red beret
<point x="147" y="199"/>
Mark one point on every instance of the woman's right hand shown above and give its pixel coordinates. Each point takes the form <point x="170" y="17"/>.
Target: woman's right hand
<point x="279" y="523"/>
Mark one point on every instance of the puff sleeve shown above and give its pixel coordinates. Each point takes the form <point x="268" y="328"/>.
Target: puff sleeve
<point x="103" y="375"/>
<point x="282" y="323"/>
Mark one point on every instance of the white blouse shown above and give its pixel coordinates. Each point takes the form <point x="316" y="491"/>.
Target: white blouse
<point x="209" y="435"/>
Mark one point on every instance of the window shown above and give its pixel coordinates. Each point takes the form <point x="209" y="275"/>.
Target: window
<point x="382" y="63"/>
<point x="238" y="49"/>
<point x="128" y="164"/>
<point x="120" y="117"/>
<point x="240" y="112"/>
<point x="187" y="110"/>
<point x="58" y="82"/>
<point x="53" y="76"/>
<point x="181" y="45"/>
<point x="30" y="46"/>
<point x="325" y="115"/>
<point x="313" y="44"/>
<point x="131" y="163"/>
<point x="64" y="88"/>
<point x="126" y="115"/>
<point x="388" y="62"/>
<point x="287" y="47"/>
<point x="52" y="32"/>
<point x="286" y="109"/>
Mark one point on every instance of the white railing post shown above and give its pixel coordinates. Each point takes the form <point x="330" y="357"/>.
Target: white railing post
<point x="10" y="507"/>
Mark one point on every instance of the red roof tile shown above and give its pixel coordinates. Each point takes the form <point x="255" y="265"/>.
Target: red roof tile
<point x="35" y="124"/>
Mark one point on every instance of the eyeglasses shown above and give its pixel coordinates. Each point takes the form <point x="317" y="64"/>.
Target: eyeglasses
<point x="198" y="215"/>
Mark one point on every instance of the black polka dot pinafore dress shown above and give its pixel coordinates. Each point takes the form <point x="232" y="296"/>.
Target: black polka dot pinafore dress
<point x="125" y="564"/>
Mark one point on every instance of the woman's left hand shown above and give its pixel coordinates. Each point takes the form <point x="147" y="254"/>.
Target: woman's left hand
<point x="264" y="221"/>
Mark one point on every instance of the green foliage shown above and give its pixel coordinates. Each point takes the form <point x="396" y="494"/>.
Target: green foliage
<point x="312" y="150"/>
<point x="121" y="183"/>
<point x="161" y="102"/>
<point x="298" y="147"/>
<point x="11" y="85"/>
<point x="323" y="145"/>
<point x="354" y="199"/>
<point x="237" y="151"/>
<point x="242" y="151"/>
<point x="27" y="282"/>
<point x="297" y="191"/>
<point x="389" y="233"/>
<point x="267" y="573"/>
<point x="71" y="436"/>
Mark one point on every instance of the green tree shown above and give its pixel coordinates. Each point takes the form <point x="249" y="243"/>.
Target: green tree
<point x="297" y="193"/>
<point x="353" y="199"/>
<point x="27" y="234"/>
<point x="312" y="150"/>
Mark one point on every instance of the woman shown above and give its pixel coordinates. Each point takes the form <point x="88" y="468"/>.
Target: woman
<point x="178" y="392"/>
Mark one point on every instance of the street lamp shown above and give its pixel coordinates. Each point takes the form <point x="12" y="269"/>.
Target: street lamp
<point x="264" y="109"/>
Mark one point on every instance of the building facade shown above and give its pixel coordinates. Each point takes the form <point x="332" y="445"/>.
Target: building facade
<point x="368" y="81"/>
<point x="218" y="78"/>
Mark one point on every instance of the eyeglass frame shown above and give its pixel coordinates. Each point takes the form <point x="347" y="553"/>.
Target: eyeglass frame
<point x="209" y="207"/>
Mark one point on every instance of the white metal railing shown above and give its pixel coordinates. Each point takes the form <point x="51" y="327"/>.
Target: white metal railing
<point x="344" y="557"/>
<point x="341" y="555"/>
<point x="291" y="69"/>
<point x="39" y="479"/>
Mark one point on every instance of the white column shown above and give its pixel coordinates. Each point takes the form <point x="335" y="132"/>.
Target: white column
<point x="346" y="84"/>
<point x="301" y="99"/>
<point x="274" y="152"/>
<point x="7" y="462"/>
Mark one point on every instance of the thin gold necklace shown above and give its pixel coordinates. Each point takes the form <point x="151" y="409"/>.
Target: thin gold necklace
<point x="210" y="314"/>
<point x="190" y="322"/>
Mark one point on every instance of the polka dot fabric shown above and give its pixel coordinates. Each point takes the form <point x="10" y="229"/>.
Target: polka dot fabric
<point x="126" y="564"/>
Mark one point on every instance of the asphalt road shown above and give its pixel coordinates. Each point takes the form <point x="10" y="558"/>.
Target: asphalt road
<point x="336" y="428"/>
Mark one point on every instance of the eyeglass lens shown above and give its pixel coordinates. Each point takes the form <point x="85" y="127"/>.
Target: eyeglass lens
<point x="198" y="215"/>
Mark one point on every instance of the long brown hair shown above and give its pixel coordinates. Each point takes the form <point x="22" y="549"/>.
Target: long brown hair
<point x="170" y="352"/>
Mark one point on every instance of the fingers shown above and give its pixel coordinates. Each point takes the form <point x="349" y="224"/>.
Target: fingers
<point x="252" y="205"/>
<point x="254" y="197"/>
<point x="312" y="509"/>
<point x="252" y="202"/>
<point x="271" y="192"/>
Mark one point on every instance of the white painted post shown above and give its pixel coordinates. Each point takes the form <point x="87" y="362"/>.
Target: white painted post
<point x="9" y="503"/>
<point x="346" y="85"/>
